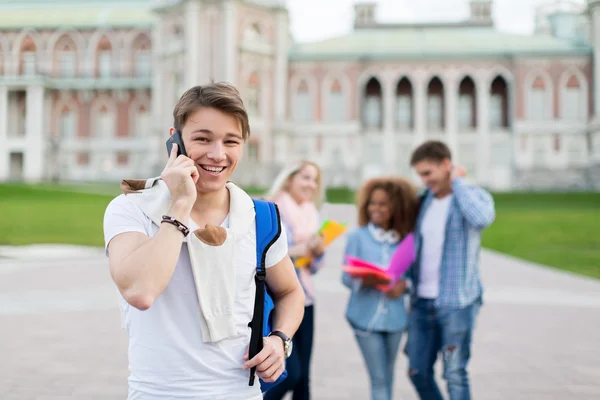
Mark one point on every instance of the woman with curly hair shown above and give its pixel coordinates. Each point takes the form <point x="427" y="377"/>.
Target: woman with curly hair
<point x="387" y="209"/>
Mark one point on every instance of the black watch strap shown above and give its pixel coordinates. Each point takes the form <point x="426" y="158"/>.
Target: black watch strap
<point x="282" y="335"/>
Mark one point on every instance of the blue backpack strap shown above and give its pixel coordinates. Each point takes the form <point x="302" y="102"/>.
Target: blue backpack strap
<point x="268" y="230"/>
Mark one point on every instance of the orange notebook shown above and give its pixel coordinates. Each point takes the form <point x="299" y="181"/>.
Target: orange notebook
<point x="330" y="230"/>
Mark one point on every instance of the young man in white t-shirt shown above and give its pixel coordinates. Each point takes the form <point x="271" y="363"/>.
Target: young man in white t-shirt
<point x="187" y="280"/>
<point x="447" y="289"/>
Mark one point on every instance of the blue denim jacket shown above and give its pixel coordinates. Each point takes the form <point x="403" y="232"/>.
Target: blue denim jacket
<point x="370" y="309"/>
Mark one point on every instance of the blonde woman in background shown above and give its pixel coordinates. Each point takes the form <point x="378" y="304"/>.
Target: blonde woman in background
<point x="298" y="192"/>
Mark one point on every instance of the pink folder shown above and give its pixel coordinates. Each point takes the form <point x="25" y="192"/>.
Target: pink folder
<point x="401" y="261"/>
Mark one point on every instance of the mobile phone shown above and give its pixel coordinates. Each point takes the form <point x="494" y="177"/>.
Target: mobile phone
<point x="178" y="140"/>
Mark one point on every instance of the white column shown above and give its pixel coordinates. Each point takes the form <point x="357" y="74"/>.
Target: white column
<point x="161" y="110"/>
<point x="4" y="151"/>
<point x="450" y="114"/>
<point x="161" y="114"/>
<point x="420" y="107"/>
<point x="595" y="19"/>
<point x="194" y="68"/>
<point x="281" y="64"/>
<point x="483" y="130"/>
<point x="229" y="25"/>
<point x="35" y="138"/>
<point x="266" y="149"/>
<point x="389" y="146"/>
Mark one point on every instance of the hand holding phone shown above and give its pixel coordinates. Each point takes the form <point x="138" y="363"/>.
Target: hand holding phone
<point x="176" y="138"/>
<point x="180" y="174"/>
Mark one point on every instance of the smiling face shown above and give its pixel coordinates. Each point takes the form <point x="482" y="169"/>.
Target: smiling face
<point x="304" y="184"/>
<point x="435" y="175"/>
<point x="213" y="139"/>
<point x="379" y="209"/>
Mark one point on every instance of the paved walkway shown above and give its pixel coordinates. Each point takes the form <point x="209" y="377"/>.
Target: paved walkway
<point x="538" y="334"/>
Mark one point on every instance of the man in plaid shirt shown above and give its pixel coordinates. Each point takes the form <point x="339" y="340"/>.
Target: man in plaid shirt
<point x="447" y="288"/>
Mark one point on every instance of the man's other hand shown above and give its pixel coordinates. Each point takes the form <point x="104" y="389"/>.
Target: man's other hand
<point x="270" y="361"/>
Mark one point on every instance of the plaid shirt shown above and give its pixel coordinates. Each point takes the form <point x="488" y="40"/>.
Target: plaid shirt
<point x="471" y="211"/>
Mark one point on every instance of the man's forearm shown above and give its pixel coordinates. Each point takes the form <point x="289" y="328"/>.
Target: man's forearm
<point x="145" y="273"/>
<point x="289" y="311"/>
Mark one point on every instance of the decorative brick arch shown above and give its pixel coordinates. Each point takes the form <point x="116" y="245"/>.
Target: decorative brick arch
<point x="366" y="76"/>
<point x="503" y="72"/>
<point x="75" y="35"/>
<point x="431" y="75"/>
<point x="467" y="73"/>
<point x="102" y="39"/>
<point x="26" y="38"/>
<point x="139" y="40"/>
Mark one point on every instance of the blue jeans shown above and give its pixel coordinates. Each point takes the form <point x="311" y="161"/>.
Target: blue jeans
<point x="432" y="330"/>
<point x="379" y="350"/>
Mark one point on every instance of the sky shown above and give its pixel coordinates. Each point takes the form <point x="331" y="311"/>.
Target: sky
<point x="313" y="20"/>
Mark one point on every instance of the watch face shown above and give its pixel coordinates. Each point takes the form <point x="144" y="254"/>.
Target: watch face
<point x="288" y="348"/>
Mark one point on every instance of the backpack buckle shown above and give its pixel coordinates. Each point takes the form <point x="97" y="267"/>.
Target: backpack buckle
<point x="261" y="274"/>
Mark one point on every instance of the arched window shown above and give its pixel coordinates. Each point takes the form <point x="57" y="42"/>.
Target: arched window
<point x="404" y="105"/>
<point x="67" y="125"/>
<point x="142" y="121"/>
<point x="65" y="53"/>
<point x="573" y="104"/>
<point x="303" y="107"/>
<point x="105" y="122"/>
<point x="435" y="105"/>
<point x="372" y="105"/>
<point x="336" y="104"/>
<point x="538" y="102"/>
<point x="499" y="103"/>
<point x="104" y="58"/>
<point x="253" y="94"/>
<point x="27" y="59"/>
<point x="142" y="57"/>
<point x="467" y="106"/>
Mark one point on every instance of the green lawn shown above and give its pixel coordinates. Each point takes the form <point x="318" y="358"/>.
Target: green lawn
<point x="556" y="229"/>
<point x="46" y="215"/>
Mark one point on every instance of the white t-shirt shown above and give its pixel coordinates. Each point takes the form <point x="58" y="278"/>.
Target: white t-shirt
<point x="167" y="357"/>
<point x="433" y="229"/>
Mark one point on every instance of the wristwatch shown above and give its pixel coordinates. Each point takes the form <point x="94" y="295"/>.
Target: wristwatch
<point x="287" y="342"/>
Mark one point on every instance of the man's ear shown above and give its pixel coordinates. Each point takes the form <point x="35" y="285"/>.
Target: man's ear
<point x="172" y="131"/>
<point x="447" y="164"/>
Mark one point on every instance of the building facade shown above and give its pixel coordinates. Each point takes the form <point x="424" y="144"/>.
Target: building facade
<point x="87" y="91"/>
